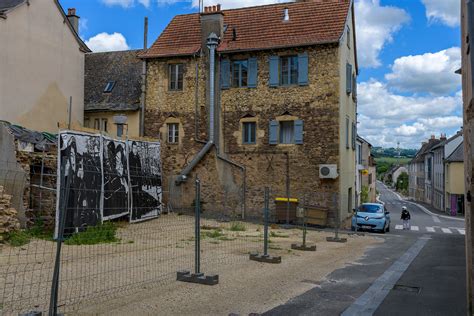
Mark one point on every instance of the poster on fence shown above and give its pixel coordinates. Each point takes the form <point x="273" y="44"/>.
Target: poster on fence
<point x="107" y="179"/>
<point x="79" y="154"/>
<point x="116" y="186"/>
<point x="144" y="160"/>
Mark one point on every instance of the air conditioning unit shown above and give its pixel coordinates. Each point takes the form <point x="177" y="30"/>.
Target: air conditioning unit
<point x="328" y="172"/>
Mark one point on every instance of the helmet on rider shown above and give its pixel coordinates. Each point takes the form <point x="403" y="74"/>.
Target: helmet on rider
<point x="404" y="208"/>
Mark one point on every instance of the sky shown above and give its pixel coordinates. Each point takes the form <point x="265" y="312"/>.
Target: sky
<point x="407" y="51"/>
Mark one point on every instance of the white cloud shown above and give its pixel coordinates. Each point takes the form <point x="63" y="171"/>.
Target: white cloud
<point x="122" y="3"/>
<point x="443" y="11"/>
<point x="375" y="27"/>
<point x="104" y="42"/>
<point x="430" y="72"/>
<point x="386" y="118"/>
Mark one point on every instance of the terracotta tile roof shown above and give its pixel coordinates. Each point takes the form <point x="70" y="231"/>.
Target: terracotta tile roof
<point x="258" y="28"/>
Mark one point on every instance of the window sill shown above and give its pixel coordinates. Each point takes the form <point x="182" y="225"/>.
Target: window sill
<point x="176" y="91"/>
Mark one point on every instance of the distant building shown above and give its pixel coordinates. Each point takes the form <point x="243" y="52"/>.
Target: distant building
<point x="113" y="88"/>
<point x="396" y="172"/>
<point x="439" y="152"/>
<point x="41" y="65"/>
<point x="366" y="171"/>
<point x="454" y="166"/>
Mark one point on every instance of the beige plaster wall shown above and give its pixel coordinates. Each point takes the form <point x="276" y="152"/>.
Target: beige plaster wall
<point x="347" y="109"/>
<point x="41" y="67"/>
<point x="133" y="122"/>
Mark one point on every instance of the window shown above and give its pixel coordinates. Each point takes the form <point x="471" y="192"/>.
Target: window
<point x="249" y="132"/>
<point x="347" y="133"/>
<point x="176" y="77"/>
<point x="239" y="73"/>
<point x="348" y="37"/>
<point x="354" y="133"/>
<point x="97" y="124"/>
<point x="103" y="123"/>
<point x="119" y="130"/>
<point x="286" y="132"/>
<point x="87" y="122"/>
<point x="173" y="133"/>
<point x="289" y="70"/>
<point x="109" y="86"/>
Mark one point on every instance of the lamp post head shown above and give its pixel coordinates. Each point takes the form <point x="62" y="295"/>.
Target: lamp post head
<point x="212" y="41"/>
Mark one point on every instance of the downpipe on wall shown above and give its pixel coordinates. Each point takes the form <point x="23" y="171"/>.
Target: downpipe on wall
<point x="212" y="42"/>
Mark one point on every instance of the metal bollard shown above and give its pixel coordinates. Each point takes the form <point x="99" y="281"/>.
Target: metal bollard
<point x="303" y="247"/>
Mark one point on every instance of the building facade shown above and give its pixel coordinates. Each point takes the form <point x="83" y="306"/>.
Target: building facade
<point x="113" y="91"/>
<point x="279" y="106"/>
<point x="454" y="183"/>
<point x="42" y="63"/>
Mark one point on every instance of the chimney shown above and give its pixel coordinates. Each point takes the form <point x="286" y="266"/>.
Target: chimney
<point x="442" y="137"/>
<point x="433" y="137"/>
<point x="73" y="19"/>
<point x="212" y="21"/>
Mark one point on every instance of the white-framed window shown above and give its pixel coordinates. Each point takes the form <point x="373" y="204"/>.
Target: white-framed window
<point x="287" y="135"/>
<point x="119" y="130"/>
<point x="173" y="133"/>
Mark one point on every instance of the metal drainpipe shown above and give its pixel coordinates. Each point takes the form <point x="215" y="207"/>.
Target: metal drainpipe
<point x="212" y="42"/>
<point x="196" y="107"/>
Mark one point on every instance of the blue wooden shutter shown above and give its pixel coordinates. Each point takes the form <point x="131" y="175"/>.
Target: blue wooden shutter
<point x="303" y="69"/>
<point x="225" y="74"/>
<point x="273" y="133"/>
<point x="348" y="78"/>
<point x="298" y="132"/>
<point x="274" y="78"/>
<point x="253" y="70"/>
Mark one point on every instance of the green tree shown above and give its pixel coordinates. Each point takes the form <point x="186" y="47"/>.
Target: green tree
<point x="364" y="194"/>
<point x="402" y="182"/>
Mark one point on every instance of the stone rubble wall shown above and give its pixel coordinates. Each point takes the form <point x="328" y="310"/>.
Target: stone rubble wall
<point x="8" y="216"/>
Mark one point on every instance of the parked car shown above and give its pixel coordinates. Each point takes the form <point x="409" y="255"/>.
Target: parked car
<point x="371" y="216"/>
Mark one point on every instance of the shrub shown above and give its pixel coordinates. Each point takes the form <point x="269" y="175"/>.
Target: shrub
<point x="18" y="238"/>
<point x="238" y="227"/>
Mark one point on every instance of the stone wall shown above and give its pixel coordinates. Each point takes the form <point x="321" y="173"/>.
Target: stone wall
<point x="266" y="165"/>
<point x="8" y="216"/>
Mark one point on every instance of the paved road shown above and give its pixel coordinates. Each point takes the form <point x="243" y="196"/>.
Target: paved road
<point x="416" y="272"/>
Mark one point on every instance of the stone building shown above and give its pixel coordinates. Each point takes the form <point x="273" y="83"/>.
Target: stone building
<point x="112" y="92"/>
<point x="42" y="65"/>
<point x="454" y="181"/>
<point x="273" y="104"/>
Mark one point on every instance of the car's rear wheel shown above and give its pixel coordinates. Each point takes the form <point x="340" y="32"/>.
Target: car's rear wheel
<point x="388" y="228"/>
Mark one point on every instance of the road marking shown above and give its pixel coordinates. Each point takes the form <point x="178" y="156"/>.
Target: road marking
<point x="430" y="229"/>
<point x="368" y="302"/>
<point x="446" y="230"/>
<point x="436" y="219"/>
<point x="462" y="231"/>
<point x="415" y="228"/>
<point x="398" y="226"/>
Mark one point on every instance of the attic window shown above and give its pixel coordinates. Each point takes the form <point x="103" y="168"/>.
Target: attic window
<point x="109" y="86"/>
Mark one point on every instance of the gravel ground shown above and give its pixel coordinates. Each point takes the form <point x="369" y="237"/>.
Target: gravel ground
<point x="138" y="273"/>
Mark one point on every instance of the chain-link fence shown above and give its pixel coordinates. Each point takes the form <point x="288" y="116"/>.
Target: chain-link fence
<point x="99" y="262"/>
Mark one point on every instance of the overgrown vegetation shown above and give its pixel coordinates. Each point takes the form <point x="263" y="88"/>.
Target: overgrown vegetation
<point x="216" y="233"/>
<point x="23" y="237"/>
<point x="278" y="235"/>
<point x="101" y="234"/>
<point x="238" y="227"/>
<point x="402" y="183"/>
<point x="364" y="194"/>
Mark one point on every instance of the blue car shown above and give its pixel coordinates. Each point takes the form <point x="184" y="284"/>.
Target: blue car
<point x="371" y="216"/>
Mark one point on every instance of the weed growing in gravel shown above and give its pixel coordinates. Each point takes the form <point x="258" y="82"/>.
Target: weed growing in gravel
<point x="18" y="238"/>
<point x="93" y="235"/>
<point x="278" y="235"/>
<point x="22" y="237"/>
<point x="212" y="234"/>
<point x="238" y="227"/>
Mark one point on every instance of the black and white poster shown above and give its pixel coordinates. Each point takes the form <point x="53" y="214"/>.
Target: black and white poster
<point x="144" y="161"/>
<point x="116" y="186"/>
<point x="107" y="179"/>
<point x="80" y="156"/>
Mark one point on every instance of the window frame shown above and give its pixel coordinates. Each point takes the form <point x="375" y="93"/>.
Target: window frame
<point x="292" y="71"/>
<point x="253" y="130"/>
<point x="172" y="138"/>
<point x="109" y="86"/>
<point x="174" y="75"/>
<point x="239" y="62"/>
<point x="347" y="133"/>
<point x="120" y="130"/>
<point x="103" y="124"/>
<point x="291" y="126"/>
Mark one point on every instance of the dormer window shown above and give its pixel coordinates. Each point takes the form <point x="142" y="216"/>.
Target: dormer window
<point x="109" y="86"/>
